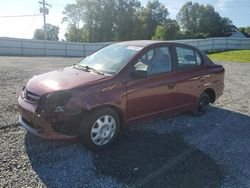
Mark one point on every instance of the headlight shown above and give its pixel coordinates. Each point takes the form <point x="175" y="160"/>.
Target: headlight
<point x="52" y="101"/>
<point x="59" y="98"/>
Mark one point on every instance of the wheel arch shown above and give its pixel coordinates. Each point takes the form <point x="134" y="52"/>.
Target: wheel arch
<point x="211" y="94"/>
<point x="113" y="107"/>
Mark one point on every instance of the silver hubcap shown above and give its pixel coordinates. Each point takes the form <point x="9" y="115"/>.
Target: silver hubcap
<point x="103" y="130"/>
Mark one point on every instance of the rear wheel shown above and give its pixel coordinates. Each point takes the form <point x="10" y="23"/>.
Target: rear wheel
<point x="202" y="105"/>
<point x="99" y="128"/>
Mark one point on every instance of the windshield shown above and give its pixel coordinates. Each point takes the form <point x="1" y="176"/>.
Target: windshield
<point x="110" y="59"/>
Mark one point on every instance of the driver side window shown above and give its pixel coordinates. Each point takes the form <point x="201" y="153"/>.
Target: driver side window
<point x="158" y="60"/>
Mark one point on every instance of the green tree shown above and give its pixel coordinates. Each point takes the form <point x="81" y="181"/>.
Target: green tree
<point x="73" y="15"/>
<point x="209" y="21"/>
<point x="188" y="17"/>
<point x="95" y="17"/>
<point x="167" y="31"/>
<point x="75" y="34"/>
<point x="39" y="34"/>
<point x="160" y="33"/>
<point x="203" y="20"/>
<point x="127" y="23"/>
<point x="111" y="20"/>
<point x="51" y="33"/>
<point x="226" y="27"/>
<point x="151" y="16"/>
<point x="172" y="27"/>
<point x="247" y="30"/>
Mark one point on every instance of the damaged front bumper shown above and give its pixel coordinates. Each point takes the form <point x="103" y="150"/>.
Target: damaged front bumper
<point x="55" y="129"/>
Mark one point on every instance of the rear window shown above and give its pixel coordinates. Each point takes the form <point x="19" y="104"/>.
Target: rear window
<point x="187" y="58"/>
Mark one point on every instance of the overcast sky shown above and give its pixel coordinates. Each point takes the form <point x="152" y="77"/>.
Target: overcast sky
<point x="23" y="27"/>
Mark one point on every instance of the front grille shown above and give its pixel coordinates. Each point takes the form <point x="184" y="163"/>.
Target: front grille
<point x="31" y="97"/>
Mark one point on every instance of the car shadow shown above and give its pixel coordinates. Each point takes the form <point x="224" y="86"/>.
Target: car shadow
<point x="139" y="158"/>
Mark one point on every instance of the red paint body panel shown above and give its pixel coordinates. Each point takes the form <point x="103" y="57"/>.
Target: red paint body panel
<point x="134" y="99"/>
<point x="151" y="95"/>
<point x="62" y="79"/>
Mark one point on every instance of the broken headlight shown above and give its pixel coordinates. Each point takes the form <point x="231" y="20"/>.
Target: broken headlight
<point x="53" y="101"/>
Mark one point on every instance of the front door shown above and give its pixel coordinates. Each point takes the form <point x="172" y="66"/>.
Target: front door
<point x="155" y="93"/>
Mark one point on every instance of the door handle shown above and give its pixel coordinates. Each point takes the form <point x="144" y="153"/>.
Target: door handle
<point x="171" y="85"/>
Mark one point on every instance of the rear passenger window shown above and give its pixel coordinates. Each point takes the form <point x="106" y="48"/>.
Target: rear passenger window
<point x="187" y="58"/>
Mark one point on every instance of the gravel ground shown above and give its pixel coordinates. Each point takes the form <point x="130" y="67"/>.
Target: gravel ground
<point x="181" y="151"/>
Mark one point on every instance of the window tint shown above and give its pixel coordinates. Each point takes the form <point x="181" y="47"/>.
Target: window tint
<point x="158" y="60"/>
<point x="187" y="58"/>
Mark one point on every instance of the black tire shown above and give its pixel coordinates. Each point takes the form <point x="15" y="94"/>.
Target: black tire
<point x="202" y="105"/>
<point x="89" y="121"/>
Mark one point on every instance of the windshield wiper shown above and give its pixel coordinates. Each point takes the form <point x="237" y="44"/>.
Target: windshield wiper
<point x="88" y="69"/>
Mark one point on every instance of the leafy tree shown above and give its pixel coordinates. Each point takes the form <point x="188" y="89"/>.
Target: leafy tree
<point x="151" y="16"/>
<point x="172" y="27"/>
<point x="51" y="31"/>
<point x="208" y="21"/>
<point x="160" y="33"/>
<point x="74" y="34"/>
<point x="39" y="34"/>
<point x="167" y="31"/>
<point x="188" y="17"/>
<point x="245" y="31"/>
<point x="96" y="16"/>
<point x="108" y="20"/>
<point x="99" y="19"/>
<point x="203" y="20"/>
<point x="73" y="15"/>
<point x="226" y="27"/>
<point x="127" y="23"/>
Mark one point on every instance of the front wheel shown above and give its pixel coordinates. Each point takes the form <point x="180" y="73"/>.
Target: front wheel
<point x="202" y="105"/>
<point x="99" y="129"/>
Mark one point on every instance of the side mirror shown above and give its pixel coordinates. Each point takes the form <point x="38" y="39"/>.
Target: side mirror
<point x="140" y="70"/>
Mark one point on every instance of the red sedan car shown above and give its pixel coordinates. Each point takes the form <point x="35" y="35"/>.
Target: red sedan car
<point x="117" y="86"/>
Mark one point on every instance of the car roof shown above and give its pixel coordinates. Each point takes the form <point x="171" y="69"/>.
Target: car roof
<point x="144" y="43"/>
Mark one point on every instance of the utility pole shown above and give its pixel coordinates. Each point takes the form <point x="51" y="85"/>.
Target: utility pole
<point x="45" y="11"/>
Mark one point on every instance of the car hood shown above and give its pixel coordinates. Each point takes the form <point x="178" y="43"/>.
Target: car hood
<point x="62" y="79"/>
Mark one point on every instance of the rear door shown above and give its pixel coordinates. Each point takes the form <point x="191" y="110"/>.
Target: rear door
<point x="191" y="75"/>
<point x="155" y="93"/>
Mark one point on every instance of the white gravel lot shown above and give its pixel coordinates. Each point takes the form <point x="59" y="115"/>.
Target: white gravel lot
<point x="181" y="151"/>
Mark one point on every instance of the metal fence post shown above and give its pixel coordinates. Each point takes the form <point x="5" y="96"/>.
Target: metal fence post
<point x="22" y="47"/>
<point x="84" y="50"/>
<point x="65" y="49"/>
<point x="213" y="43"/>
<point x="226" y="43"/>
<point x="44" y="48"/>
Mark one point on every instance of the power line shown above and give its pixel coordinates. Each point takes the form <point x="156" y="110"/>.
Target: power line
<point x="14" y="16"/>
<point x="33" y="20"/>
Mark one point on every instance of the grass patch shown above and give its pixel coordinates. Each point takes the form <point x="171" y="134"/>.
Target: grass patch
<point x="234" y="55"/>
